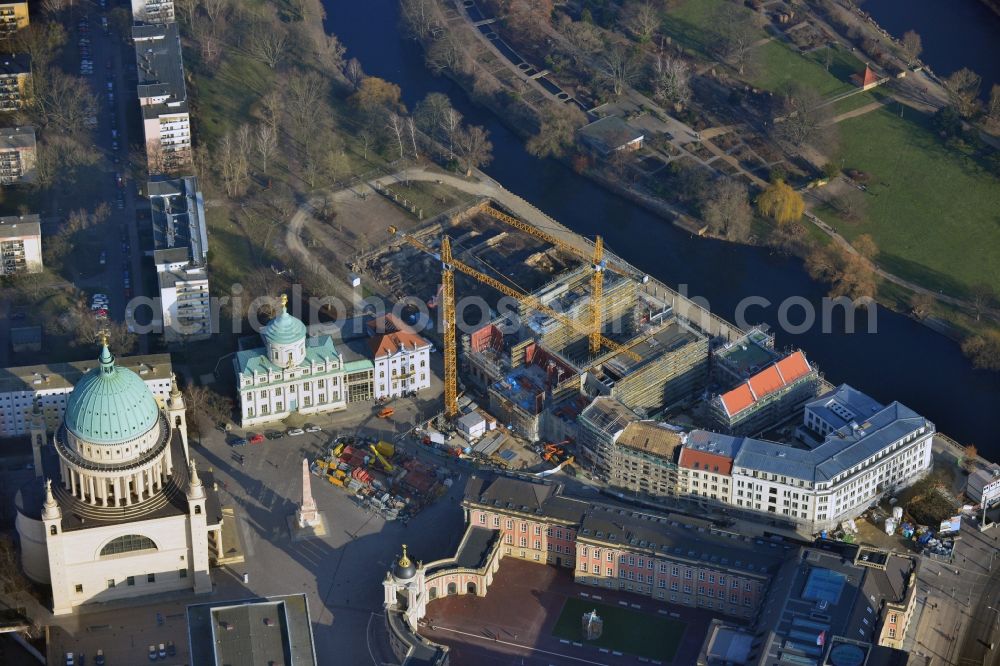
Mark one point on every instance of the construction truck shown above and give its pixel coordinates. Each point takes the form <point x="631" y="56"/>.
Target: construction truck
<point x="386" y="413"/>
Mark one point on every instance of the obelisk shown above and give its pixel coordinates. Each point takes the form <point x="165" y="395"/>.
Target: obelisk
<point x="307" y="514"/>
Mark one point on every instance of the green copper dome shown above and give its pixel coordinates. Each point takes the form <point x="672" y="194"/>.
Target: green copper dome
<point x="110" y="405"/>
<point x="284" y="329"/>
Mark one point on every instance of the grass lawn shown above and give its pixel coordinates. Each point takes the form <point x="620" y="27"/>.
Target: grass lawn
<point x="624" y="630"/>
<point x="690" y="24"/>
<point x="853" y="102"/>
<point x="932" y="210"/>
<point x="224" y="100"/>
<point x="776" y="65"/>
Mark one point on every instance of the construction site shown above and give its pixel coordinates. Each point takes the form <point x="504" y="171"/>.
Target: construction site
<point x="384" y="481"/>
<point x="559" y="324"/>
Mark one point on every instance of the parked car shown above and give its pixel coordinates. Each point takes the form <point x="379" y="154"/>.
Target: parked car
<point x="163" y="649"/>
<point x="69" y="659"/>
<point x="152" y="653"/>
<point x="255" y="438"/>
<point x="171" y="649"/>
<point x="99" y="658"/>
<point x="312" y="428"/>
<point x="274" y="434"/>
<point x="295" y="432"/>
<point x="239" y="441"/>
<point x="104" y="257"/>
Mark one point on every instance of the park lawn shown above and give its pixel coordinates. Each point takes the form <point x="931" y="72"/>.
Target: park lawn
<point x="776" y="65"/>
<point x="853" y="102"/>
<point x="624" y="630"/>
<point x="931" y="209"/>
<point x="690" y="24"/>
<point x="223" y="101"/>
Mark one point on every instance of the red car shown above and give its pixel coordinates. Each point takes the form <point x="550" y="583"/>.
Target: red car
<point x="255" y="438"/>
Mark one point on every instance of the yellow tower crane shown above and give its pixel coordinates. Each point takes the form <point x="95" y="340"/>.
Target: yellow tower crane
<point x="598" y="265"/>
<point x="448" y="267"/>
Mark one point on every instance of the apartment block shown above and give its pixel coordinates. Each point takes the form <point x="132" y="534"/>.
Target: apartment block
<point x="18" y="156"/>
<point x="13" y="17"/>
<point x="20" y="245"/>
<point x="15" y="81"/>
<point x="600" y="425"/>
<point x="180" y="252"/>
<point x="51" y="383"/>
<point x="153" y="11"/>
<point x="163" y="97"/>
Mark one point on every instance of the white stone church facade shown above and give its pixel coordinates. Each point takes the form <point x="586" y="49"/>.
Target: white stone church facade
<point x="123" y="512"/>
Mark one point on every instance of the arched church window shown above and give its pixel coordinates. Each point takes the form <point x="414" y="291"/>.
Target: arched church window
<point x="129" y="543"/>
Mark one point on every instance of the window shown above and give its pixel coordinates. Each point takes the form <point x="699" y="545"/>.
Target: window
<point x="538" y="544"/>
<point x="583" y="566"/>
<point x="510" y="524"/>
<point x="524" y="542"/>
<point x="150" y="578"/>
<point x="892" y="618"/>
<point x="130" y="580"/>
<point x="524" y="527"/>
<point x="673" y="586"/>
<point x="610" y="572"/>
<point x="496" y="521"/>
<point x="482" y="519"/>
<point x="127" y="544"/>
<point x="611" y="556"/>
<point x="79" y="589"/>
<point x="597" y="569"/>
<point x="182" y="573"/>
<point x="687" y="574"/>
<point x="701" y="575"/>
<point x="111" y="583"/>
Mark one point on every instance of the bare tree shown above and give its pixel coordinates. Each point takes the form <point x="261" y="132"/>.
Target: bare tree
<point x="911" y="46"/>
<point x="738" y="28"/>
<point x="411" y="128"/>
<point x="266" y="143"/>
<point x="156" y="159"/>
<point x="451" y="124"/>
<point x="474" y="148"/>
<point x="187" y="8"/>
<point x="993" y="108"/>
<point x="232" y="164"/>
<point x="63" y="101"/>
<point x="272" y="105"/>
<point x="983" y="297"/>
<point x="331" y="46"/>
<point x="397" y="126"/>
<point x="354" y="73"/>
<point x="727" y="209"/>
<point x="804" y="118"/>
<point x="557" y="135"/>
<point x="207" y="36"/>
<point x="205" y="404"/>
<point x="640" y="18"/>
<point x="54" y="6"/>
<point x="419" y="16"/>
<point x="617" y="67"/>
<point x="268" y="42"/>
<point x="215" y="9"/>
<point x="852" y="204"/>
<point x="671" y="80"/>
<point x="306" y="103"/>
<point x="366" y="141"/>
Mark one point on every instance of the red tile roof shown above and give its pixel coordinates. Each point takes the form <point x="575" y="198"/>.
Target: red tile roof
<point x="769" y="380"/>
<point x="391" y="343"/>
<point x="710" y="462"/>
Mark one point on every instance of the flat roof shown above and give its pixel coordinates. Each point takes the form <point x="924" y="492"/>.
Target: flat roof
<point x="12" y="138"/>
<point x="159" y="61"/>
<point x="15" y="64"/>
<point x="669" y="338"/>
<point x="50" y="376"/>
<point x="611" y="131"/>
<point x="748" y="354"/>
<point x="475" y="547"/>
<point x="178" y="218"/>
<point x="261" y="631"/>
<point x="15" y="226"/>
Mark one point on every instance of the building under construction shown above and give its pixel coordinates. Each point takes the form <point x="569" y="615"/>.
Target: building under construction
<point x="672" y="367"/>
<point x="569" y="294"/>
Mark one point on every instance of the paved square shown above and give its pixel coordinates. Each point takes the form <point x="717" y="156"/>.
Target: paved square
<point x="515" y="622"/>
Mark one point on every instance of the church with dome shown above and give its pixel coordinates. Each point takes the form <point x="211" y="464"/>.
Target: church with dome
<point x="119" y="509"/>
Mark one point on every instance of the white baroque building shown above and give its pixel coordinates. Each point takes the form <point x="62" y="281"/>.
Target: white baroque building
<point x="402" y="363"/>
<point x="128" y="514"/>
<point x="296" y="374"/>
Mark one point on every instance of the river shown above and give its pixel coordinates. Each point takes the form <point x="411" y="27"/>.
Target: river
<point x="903" y="361"/>
<point x="955" y="34"/>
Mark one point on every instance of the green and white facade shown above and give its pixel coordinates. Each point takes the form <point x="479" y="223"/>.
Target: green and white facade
<point x="297" y="374"/>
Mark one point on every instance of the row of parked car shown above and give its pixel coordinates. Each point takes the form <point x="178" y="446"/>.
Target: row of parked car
<point x="257" y="438"/>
